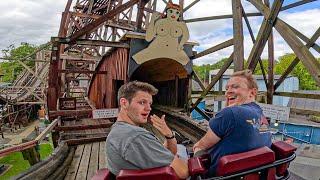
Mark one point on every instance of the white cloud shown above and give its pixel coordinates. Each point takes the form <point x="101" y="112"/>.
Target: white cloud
<point x="35" y="21"/>
<point x="32" y="21"/>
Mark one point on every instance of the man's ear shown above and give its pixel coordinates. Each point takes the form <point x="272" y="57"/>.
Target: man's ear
<point x="254" y="92"/>
<point x="124" y="103"/>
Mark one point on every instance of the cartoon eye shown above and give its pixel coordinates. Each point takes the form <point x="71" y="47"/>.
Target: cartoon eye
<point x="170" y="11"/>
<point x="177" y="13"/>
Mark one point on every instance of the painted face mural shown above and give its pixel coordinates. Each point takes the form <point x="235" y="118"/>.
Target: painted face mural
<point x="173" y="14"/>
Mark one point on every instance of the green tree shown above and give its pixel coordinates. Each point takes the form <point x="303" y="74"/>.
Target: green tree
<point x="11" y="68"/>
<point x="306" y="82"/>
<point x="203" y="70"/>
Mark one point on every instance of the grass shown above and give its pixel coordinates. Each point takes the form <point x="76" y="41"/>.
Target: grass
<point x="19" y="164"/>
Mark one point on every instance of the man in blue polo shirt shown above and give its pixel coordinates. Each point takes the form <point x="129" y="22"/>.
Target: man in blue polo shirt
<point x="240" y="126"/>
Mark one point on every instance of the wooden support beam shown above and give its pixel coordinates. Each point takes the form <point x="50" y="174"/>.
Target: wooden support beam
<point x="140" y="14"/>
<point x="297" y="95"/>
<point x="196" y="78"/>
<point x="66" y="113"/>
<point x="229" y="16"/>
<point x="270" y="84"/>
<point x="296" y="60"/>
<point x="17" y="148"/>
<point x="83" y="127"/>
<point x="93" y="42"/>
<point x="301" y="51"/>
<point x="217" y="17"/>
<point x="214" y="81"/>
<point x="190" y="5"/>
<point x="264" y="33"/>
<point x="73" y="142"/>
<point x="81" y="71"/>
<point x="311" y="42"/>
<point x="95" y="24"/>
<point x="83" y="15"/>
<point x="238" y="49"/>
<point x="203" y="114"/>
<point x="214" y="49"/>
<point x="254" y="40"/>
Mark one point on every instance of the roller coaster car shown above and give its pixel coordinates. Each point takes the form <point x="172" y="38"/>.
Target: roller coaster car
<point x="261" y="163"/>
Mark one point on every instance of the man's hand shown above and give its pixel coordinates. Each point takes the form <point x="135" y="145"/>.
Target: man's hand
<point x="196" y="147"/>
<point x="160" y="124"/>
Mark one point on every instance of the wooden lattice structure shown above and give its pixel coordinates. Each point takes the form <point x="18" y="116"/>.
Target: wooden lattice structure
<point x="91" y="27"/>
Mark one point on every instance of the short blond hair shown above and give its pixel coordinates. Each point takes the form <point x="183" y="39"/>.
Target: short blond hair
<point x="247" y="74"/>
<point x="128" y="90"/>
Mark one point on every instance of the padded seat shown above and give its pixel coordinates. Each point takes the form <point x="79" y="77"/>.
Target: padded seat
<point x="234" y="163"/>
<point x="161" y="173"/>
<point x="282" y="150"/>
<point x="103" y="174"/>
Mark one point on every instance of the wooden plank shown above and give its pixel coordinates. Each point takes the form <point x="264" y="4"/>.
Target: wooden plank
<point x="102" y="155"/>
<point x="296" y="60"/>
<point x="196" y="78"/>
<point x="298" y="95"/>
<point x="270" y="84"/>
<point x="73" y="169"/>
<point x="83" y="166"/>
<point x="214" y="49"/>
<point x="94" y="160"/>
<point x="238" y="58"/>
<point x="83" y="127"/>
<point x="47" y="130"/>
<point x="304" y="111"/>
<point x="264" y="32"/>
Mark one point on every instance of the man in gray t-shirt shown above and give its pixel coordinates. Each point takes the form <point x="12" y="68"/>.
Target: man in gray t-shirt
<point x="129" y="146"/>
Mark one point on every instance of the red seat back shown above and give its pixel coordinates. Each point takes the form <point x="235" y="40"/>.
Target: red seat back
<point x="196" y="166"/>
<point x="103" y="174"/>
<point x="234" y="163"/>
<point x="161" y="173"/>
<point x="282" y="150"/>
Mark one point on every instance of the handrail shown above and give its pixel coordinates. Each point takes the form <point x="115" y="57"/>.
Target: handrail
<point x="31" y="143"/>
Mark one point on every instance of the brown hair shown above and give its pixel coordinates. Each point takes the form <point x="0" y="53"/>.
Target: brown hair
<point x="171" y="5"/>
<point x="247" y="74"/>
<point x="128" y="90"/>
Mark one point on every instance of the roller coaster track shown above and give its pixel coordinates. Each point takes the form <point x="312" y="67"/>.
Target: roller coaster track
<point x="28" y="87"/>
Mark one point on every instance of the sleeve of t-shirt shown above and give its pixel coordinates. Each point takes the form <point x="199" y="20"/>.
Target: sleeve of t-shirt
<point x="223" y="123"/>
<point x="145" y="151"/>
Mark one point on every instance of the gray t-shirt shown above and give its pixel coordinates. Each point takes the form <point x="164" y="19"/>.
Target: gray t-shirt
<point x="132" y="147"/>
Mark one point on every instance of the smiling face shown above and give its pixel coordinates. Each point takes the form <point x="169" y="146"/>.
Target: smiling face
<point x="238" y="92"/>
<point x="139" y="108"/>
<point x="173" y="14"/>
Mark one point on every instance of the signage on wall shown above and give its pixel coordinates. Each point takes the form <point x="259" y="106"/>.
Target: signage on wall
<point x="105" y="113"/>
<point x="275" y="112"/>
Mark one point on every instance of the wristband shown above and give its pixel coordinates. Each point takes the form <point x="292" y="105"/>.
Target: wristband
<point x="171" y="137"/>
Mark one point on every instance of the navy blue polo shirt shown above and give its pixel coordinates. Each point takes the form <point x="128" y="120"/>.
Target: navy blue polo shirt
<point x="238" y="128"/>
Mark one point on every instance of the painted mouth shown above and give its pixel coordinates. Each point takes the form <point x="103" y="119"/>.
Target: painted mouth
<point x="173" y="17"/>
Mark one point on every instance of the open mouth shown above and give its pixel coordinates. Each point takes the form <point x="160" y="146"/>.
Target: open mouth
<point x="173" y="17"/>
<point x="232" y="98"/>
<point x="145" y="115"/>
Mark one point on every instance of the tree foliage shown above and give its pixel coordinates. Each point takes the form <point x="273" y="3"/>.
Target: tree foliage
<point x="306" y="82"/>
<point x="11" y="69"/>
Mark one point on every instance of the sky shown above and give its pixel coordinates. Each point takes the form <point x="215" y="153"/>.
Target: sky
<point x="35" y="21"/>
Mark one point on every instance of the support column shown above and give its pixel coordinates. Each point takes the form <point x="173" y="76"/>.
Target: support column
<point x="238" y="58"/>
